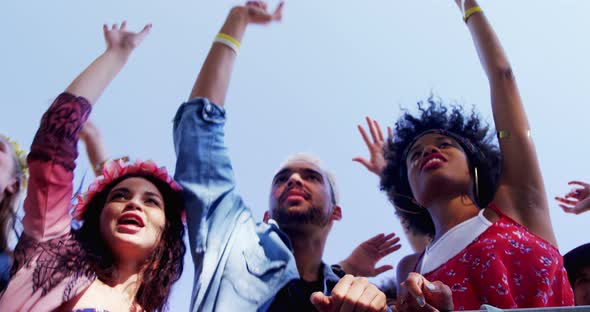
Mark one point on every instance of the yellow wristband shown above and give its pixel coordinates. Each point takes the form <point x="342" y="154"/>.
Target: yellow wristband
<point x="230" y="38"/>
<point x="471" y="11"/>
<point x="228" y="41"/>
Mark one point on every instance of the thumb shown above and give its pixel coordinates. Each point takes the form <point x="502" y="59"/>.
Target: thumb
<point x="382" y="269"/>
<point x="363" y="161"/>
<point x="320" y="301"/>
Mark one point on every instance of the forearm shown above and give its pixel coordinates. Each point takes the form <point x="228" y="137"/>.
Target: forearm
<point x="51" y="164"/>
<point x="92" y="82"/>
<point x="214" y="77"/>
<point x="521" y="191"/>
<point x="509" y="113"/>
<point x="96" y="151"/>
<point x="488" y="46"/>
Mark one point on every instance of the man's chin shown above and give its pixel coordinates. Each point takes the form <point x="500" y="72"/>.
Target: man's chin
<point x="293" y="219"/>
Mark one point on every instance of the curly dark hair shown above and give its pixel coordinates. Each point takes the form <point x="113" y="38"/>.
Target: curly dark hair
<point x="165" y="264"/>
<point x="474" y="136"/>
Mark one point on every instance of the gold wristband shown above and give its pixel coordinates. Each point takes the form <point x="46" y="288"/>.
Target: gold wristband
<point x="504" y="134"/>
<point x="471" y="11"/>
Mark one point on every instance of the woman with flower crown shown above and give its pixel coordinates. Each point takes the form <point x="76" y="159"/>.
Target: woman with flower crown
<point x="129" y="250"/>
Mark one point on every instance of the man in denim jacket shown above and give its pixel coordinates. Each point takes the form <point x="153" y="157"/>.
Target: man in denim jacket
<point x="241" y="265"/>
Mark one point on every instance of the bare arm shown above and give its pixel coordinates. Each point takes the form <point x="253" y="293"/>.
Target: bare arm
<point x="95" y="148"/>
<point x="521" y="192"/>
<point x="53" y="153"/>
<point x="91" y="83"/>
<point x="214" y="77"/>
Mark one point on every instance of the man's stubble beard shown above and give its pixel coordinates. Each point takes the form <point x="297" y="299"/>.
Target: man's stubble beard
<point x="289" y="219"/>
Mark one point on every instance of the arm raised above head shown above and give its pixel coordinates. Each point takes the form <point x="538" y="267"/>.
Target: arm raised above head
<point x="521" y="191"/>
<point x="54" y="150"/>
<point x="92" y="82"/>
<point x="213" y="79"/>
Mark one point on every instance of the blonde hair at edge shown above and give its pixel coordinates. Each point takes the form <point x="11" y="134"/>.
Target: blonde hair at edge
<point x="309" y="158"/>
<point x="9" y="202"/>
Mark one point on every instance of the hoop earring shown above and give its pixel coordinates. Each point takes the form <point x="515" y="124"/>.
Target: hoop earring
<point x="413" y="202"/>
<point x="476" y="176"/>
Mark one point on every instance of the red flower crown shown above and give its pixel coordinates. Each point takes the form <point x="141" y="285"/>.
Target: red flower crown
<point x="113" y="170"/>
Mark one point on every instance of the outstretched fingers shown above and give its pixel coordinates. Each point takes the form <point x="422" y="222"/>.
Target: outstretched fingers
<point x="278" y="13"/>
<point x="579" y="183"/>
<point x="365" y="136"/>
<point x="378" y="130"/>
<point x="144" y="32"/>
<point x="389" y="134"/>
<point x="383" y="268"/>
<point x="566" y="201"/>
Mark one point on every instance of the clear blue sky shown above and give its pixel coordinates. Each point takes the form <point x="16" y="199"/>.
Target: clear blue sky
<point x="304" y="84"/>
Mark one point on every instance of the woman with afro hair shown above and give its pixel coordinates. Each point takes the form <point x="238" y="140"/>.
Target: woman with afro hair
<point x="485" y="207"/>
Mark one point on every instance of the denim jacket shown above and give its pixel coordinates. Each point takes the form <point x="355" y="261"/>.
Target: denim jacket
<point x="240" y="265"/>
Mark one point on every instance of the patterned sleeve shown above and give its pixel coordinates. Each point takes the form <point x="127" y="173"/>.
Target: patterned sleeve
<point x="51" y="163"/>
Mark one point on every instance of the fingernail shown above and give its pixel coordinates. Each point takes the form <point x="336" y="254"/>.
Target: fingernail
<point x="430" y="286"/>
<point x="421" y="301"/>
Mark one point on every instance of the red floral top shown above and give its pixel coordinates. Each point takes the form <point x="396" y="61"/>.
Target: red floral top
<point x="507" y="267"/>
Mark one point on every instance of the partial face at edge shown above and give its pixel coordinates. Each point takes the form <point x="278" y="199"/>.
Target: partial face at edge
<point x="7" y="169"/>
<point x="301" y="194"/>
<point x="582" y="287"/>
<point x="435" y="164"/>
<point x="133" y="218"/>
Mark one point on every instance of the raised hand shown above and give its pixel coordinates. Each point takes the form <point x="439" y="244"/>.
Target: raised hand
<point x="119" y="39"/>
<point x="364" y="258"/>
<point x="351" y="294"/>
<point x="577" y="200"/>
<point x="376" y="162"/>
<point x="257" y="12"/>
<point x="419" y="294"/>
<point x="91" y="83"/>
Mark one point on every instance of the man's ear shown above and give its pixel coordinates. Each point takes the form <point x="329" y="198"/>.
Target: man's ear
<point x="336" y="213"/>
<point x="266" y="217"/>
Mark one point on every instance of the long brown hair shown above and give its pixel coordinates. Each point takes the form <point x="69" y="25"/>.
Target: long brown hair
<point x="165" y="264"/>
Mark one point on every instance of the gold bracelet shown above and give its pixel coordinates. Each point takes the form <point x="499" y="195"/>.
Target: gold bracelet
<point x="504" y="134"/>
<point x="471" y="11"/>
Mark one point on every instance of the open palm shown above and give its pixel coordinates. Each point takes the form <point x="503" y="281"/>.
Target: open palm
<point x="375" y="145"/>
<point x="258" y="12"/>
<point x="577" y="200"/>
<point x="118" y="38"/>
<point x="363" y="260"/>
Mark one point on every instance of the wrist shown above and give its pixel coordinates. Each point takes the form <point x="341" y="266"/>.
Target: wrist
<point x="238" y="15"/>
<point x="236" y="23"/>
<point x="345" y="266"/>
<point x="466" y="3"/>
<point x="117" y="54"/>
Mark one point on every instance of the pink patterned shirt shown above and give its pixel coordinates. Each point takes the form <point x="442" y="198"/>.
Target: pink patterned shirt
<point x="49" y="263"/>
